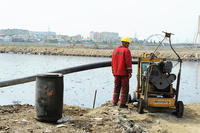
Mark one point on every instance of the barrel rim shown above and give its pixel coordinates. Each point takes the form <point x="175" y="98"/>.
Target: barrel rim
<point x="49" y="75"/>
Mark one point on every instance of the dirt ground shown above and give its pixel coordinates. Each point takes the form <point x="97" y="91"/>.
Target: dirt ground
<point x="105" y="119"/>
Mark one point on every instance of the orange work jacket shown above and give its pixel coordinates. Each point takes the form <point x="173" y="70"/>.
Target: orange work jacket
<point x="121" y="61"/>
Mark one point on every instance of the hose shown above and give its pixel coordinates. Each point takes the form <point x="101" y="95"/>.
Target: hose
<point x="62" y="71"/>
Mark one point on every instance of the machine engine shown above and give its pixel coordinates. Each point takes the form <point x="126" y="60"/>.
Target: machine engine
<point x="160" y="75"/>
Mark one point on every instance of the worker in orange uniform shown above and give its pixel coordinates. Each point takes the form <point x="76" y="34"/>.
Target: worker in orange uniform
<point x="122" y="71"/>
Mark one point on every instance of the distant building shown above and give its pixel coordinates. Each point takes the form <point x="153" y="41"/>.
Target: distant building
<point x="95" y="36"/>
<point x="66" y="38"/>
<point x="20" y="35"/>
<point x="76" y="38"/>
<point x="10" y="32"/>
<point x="44" y="33"/>
<point x="104" y="36"/>
<point x="7" y="39"/>
<point x="4" y="38"/>
<point x="19" y="38"/>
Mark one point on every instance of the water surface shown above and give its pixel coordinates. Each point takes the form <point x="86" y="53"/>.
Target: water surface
<point x="79" y="88"/>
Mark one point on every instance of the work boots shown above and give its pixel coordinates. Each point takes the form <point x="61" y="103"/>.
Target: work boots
<point x="120" y="106"/>
<point x="114" y="104"/>
<point x="123" y="106"/>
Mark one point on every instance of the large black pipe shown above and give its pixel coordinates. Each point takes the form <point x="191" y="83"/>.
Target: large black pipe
<point x="63" y="71"/>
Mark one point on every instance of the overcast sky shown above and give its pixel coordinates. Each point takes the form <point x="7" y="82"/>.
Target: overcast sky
<point x="140" y="18"/>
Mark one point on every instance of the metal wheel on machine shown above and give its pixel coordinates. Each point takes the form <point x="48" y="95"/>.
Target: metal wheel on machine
<point x="140" y="106"/>
<point x="179" y="109"/>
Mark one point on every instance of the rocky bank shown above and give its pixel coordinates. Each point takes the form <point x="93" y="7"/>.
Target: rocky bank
<point x="185" y="53"/>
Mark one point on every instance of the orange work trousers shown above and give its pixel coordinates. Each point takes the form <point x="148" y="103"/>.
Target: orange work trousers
<point x="121" y="88"/>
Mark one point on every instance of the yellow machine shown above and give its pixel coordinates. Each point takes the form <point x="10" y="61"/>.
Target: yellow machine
<point x="155" y="83"/>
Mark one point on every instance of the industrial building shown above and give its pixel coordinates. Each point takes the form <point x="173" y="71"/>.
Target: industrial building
<point x="104" y="36"/>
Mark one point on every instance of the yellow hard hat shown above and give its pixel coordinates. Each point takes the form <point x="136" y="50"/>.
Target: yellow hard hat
<point x="126" y="39"/>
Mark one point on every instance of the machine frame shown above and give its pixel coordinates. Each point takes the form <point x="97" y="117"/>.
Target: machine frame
<point x="146" y="97"/>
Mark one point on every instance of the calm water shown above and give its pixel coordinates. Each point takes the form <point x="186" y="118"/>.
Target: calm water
<point x="79" y="87"/>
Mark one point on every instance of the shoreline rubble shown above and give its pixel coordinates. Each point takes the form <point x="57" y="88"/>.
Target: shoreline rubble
<point x="107" y="118"/>
<point x="185" y="54"/>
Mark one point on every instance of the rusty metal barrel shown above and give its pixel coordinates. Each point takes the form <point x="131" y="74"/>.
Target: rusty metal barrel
<point x="49" y="97"/>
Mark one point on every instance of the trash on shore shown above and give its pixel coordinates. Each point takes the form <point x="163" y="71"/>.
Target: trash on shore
<point x="107" y="118"/>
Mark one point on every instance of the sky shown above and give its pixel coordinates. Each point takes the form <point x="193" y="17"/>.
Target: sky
<point x="132" y="18"/>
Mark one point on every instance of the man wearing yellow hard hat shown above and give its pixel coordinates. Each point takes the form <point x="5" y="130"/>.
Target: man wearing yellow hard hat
<point x="122" y="71"/>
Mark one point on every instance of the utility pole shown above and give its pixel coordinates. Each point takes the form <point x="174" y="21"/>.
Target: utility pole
<point x="197" y="37"/>
<point x="196" y="41"/>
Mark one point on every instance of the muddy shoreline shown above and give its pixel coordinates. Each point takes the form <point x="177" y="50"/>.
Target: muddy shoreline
<point x="107" y="118"/>
<point x="185" y="53"/>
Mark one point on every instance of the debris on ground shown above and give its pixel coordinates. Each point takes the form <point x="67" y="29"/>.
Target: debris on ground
<point x="107" y="118"/>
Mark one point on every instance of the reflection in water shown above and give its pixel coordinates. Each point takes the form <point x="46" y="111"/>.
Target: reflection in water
<point x="79" y="88"/>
